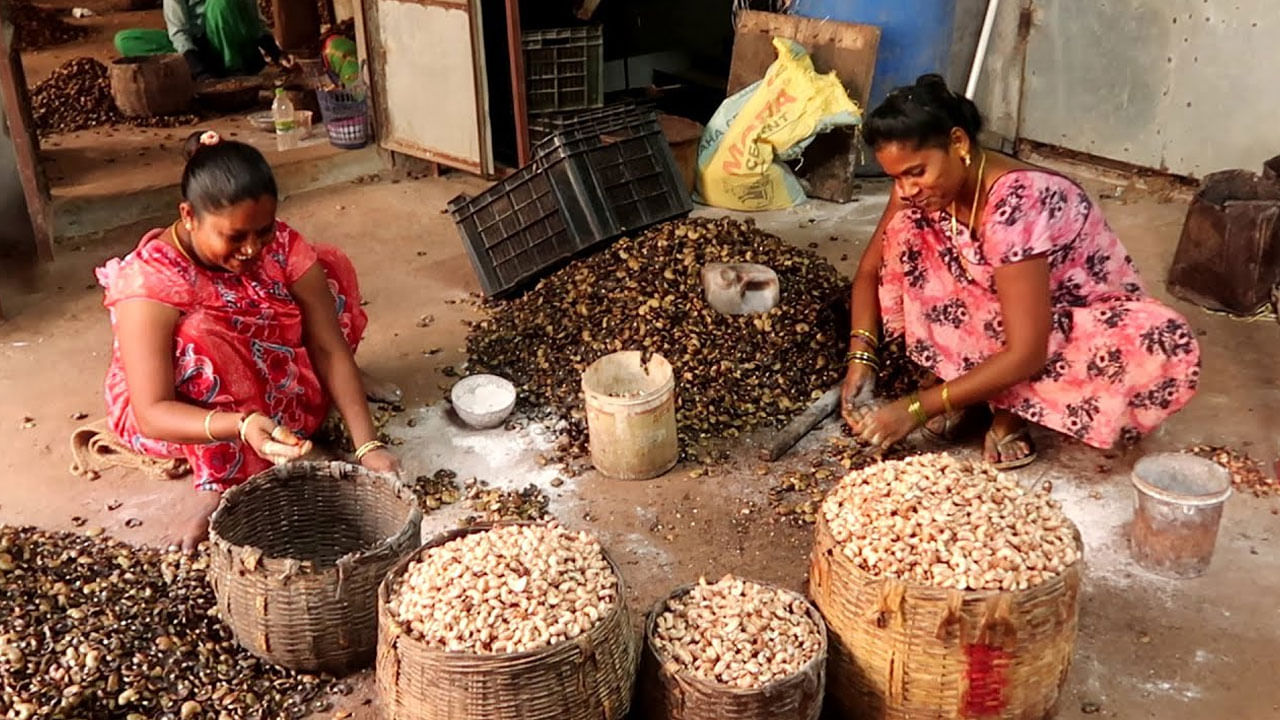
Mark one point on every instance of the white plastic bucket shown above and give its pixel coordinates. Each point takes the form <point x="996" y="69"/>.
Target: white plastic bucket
<point x="631" y="415"/>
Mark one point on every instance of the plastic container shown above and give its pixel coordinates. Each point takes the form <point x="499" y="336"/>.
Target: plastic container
<point x="346" y="117"/>
<point x="519" y="227"/>
<point x="564" y="68"/>
<point x="1177" y="510"/>
<point x="622" y="164"/>
<point x="631" y="415"/>
<point x="601" y="174"/>
<point x="483" y="401"/>
<point x="285" y="122"/>
<point x="915" y="35"/>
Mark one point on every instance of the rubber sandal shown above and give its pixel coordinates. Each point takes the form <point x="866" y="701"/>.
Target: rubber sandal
<point x="1020" y="435"/>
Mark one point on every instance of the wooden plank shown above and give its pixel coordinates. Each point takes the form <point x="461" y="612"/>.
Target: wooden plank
<point x="297" y="27"/>
<point x="434" y="104"/>
<point x="515" y="51"/>
<point x="847" y="48"/>
<point x="22" y="130"/>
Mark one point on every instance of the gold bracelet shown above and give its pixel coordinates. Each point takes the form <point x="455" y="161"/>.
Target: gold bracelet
<point x="867" y="335"/>
<point x="244" y="423"/>
<point x="369" y="447"/>
<point x="208" y="431"/>
<point x="916" y="409"/>
<point x="946" y="399"/>
<point x="865" y="358"/>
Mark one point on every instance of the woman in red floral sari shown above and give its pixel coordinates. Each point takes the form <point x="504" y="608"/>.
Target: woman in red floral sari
<point x="233" y="335"/>
<point x="1006" y="282"/>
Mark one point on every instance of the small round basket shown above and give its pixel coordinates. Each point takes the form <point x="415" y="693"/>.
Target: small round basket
<point x="901" y="651"/>
<point x="297" y="555"/>
<point x="346" y="116"/>
<point x="588" y="678"/>
<point x="669" y="693"/>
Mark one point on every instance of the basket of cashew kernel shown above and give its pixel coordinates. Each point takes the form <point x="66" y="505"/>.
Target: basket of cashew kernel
<point x="296" y="555"/>
<point x="499" y="622"/>
<point x="948" y="590"/>
<point x="733" y="649"/>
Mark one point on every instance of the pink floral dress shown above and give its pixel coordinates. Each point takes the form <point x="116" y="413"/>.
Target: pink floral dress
<point x="1120" y="362"/>
<point x="238" y="345"/>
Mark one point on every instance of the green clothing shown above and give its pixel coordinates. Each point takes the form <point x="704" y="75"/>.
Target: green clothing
<point x="231" y="29"/>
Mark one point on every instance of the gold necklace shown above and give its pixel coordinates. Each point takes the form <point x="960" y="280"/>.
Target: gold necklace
<point x="173" y="234"/>
<point x="977" y="192"/>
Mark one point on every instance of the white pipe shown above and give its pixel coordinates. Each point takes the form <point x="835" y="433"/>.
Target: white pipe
<point x="981" y="53"/>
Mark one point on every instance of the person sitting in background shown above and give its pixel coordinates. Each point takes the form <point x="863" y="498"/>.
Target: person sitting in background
<point x="1009" y="286"/>
<point x="233" y="335"/>
<point x="218" y="38"/>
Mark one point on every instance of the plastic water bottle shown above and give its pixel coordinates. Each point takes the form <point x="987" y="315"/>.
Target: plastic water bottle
<point x="286" y="126"/>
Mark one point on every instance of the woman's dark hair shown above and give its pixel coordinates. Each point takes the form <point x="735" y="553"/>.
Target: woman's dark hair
<point x="221" y="173"/>
<point x="923" y="114"/>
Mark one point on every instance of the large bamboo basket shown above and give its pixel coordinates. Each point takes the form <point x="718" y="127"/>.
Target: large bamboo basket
<point x="588" y="678"/>
<point x="297" y="555"/>
<point x="667" y="693"/>
<point x="902" y="651"/>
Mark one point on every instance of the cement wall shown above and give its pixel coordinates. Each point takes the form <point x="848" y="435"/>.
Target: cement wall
<point x="1182" y="86"/>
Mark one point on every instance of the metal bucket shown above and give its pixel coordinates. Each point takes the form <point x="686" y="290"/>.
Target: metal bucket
<point x="1178" y="506"/>
<point x="631" y="415"/>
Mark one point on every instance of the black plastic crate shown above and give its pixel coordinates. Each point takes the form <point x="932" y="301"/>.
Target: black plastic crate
<point x="519" y="227"/>
<point x="544" y="125"/>
<point x="622" y="163"/>
<point x="564" y="68"/>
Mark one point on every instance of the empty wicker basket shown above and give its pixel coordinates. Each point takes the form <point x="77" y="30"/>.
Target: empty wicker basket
<point x="297" y="555"/>
<point x="903" y="651"/>
<point x="588" y="678"/>
<point x="669" y="694"/>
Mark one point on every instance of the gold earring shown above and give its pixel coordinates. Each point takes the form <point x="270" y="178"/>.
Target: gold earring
<point x="967" y="162"/>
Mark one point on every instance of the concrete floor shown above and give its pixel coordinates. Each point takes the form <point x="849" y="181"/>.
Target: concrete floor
<point x="1148" y="648"/>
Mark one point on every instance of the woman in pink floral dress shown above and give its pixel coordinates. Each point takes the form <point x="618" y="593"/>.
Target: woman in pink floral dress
<point x="1006" y="282"/>
<point x="233" y="335"/>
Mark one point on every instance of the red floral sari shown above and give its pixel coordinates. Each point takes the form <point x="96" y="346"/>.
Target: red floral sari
<point x="238" y="345"/>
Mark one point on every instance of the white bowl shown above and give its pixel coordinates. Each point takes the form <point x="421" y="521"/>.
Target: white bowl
<point x="483" y="401"/>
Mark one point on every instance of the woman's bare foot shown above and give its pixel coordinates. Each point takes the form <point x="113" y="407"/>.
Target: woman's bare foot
<point x="192" y="528"/>
<point x="1008" y="444"/>
<point x="381" y="391"/>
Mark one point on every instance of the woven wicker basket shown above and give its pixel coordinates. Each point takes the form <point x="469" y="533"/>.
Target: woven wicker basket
<point x="666" y="693"/>
<point x="909" y="651"/>
<point x="589" y="678"/>
<point x="297" y="555"/>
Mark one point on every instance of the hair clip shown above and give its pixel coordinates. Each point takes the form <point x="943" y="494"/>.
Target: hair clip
<point x="210" y="137"/>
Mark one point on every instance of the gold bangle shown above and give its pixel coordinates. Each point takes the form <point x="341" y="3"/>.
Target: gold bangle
<point x="244" y="423"/>
<point x="914" y="407"/>
<point x="208" y="431"/>
<point x="872" y="339"/>
<point x="865" y="358"/>
<point x="369" y="447"/>
<point x="946" y="399"/>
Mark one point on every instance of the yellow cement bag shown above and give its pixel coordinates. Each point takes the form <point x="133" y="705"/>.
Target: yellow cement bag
<point x="773" y="120"/>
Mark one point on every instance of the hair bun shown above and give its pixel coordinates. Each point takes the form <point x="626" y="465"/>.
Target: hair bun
<point x="932" y="81"/>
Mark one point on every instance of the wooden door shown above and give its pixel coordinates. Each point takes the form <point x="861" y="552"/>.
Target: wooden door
<point x="427" y="66"/>
<point x="22" y="132"/>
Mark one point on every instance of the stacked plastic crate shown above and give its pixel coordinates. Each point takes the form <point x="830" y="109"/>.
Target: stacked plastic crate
<point x="598" y="176"/>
